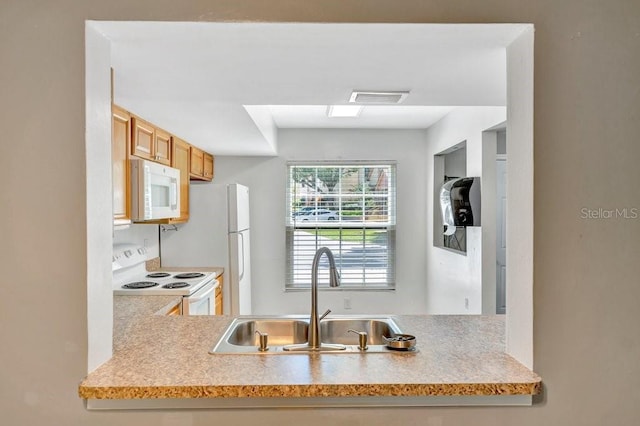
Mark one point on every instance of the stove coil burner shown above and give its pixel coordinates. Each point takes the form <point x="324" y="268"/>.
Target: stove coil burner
<point x="158" y="275"/>
<point x="140" y="284"/>
<point x="189" y="275"/>
<point x="179" y="284"/>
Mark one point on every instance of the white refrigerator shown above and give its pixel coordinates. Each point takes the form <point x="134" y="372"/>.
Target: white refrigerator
<point x="217" y="234"/>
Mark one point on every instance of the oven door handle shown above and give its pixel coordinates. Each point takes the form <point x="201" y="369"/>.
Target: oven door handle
<point x="203" y="293"/>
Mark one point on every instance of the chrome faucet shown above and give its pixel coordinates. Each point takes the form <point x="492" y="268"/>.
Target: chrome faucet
<point x="314" y="342"/>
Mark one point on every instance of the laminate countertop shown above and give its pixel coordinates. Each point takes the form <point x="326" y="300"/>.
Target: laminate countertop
<point x="167" y="358"/>
<point x="128" y="311"/>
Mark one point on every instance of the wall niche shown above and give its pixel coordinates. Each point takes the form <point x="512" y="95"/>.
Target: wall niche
<point x="449" y="164"/>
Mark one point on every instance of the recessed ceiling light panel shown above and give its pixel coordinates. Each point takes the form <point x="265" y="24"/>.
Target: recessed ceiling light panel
<point x="344" y="110"/>
<point x="375" y="97"/>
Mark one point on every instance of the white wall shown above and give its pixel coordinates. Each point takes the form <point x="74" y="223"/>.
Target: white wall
<point x="142" y="235"/>
<point x="520" y="189"/>
<point x="455" y="280"/>
<point x="99" y="226"/>
<point x="455" y="163"/>
<point x="489" y="228"/>
<point x="267" y="178"/>
<point x="501" y="142"/>
<point x="586" y="293"/>
<point x="99" y="207"/>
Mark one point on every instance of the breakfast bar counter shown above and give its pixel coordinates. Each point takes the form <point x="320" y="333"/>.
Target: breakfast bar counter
<point x="164" y="362"/>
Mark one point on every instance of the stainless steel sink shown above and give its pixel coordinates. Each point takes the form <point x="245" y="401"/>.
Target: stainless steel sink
<point x="280" y="332"/>
<point x="240" y="337"/>
<point x="336" y="330"/>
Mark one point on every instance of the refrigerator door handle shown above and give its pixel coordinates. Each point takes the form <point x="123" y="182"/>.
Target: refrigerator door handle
<point x="242" y="257"/>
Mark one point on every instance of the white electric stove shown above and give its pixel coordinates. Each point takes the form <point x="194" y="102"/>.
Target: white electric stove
<point x="130" y="278"/>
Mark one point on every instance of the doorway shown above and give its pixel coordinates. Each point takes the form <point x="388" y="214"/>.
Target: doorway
<point x="501" y="233"/>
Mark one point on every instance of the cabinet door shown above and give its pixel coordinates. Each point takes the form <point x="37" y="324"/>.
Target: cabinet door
<point x="197" y="164"/>
<point x="162" y="147"/>
<point x="207" y="169"/>
<point x="219" y="304"/>
<point x="143" y="141"/>
<point x="219" y="299"/>
<point x="120" y="140"/>
<point x="181" y="159"/>
<point x="176" y="310"/>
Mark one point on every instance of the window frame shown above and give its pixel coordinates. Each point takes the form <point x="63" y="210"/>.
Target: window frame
<point x="373" y="283"/>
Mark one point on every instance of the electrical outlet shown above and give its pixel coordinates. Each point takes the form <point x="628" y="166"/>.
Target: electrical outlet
<point x="347" y="303"/>
<point x="466" y="303"/>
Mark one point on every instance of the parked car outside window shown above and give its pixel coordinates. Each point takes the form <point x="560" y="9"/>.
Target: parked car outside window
<point x="317" y="215"/>
<point x="303" y="210"/>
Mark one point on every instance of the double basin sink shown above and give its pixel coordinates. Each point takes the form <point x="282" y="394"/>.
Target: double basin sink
<point x="243" y="334"/>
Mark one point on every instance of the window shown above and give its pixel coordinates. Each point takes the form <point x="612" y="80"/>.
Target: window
<point x="349" y="208"/>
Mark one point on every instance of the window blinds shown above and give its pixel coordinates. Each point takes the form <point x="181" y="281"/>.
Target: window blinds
<point x="349" y="208"/>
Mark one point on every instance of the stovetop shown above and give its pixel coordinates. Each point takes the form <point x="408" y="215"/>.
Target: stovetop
<point x="162" y="283"/>
<point x="130" y="277"/>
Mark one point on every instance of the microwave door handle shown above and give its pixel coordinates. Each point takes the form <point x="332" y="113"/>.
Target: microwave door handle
<point x="174" y="193"/>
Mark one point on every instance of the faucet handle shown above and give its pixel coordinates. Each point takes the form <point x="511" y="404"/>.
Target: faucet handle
<point x="320" y="318"/>
<point x="362" y="338"/>
<point x="264" y="338"/>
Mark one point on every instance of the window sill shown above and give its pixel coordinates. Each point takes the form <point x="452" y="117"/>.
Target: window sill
<point x="338" y="289"/>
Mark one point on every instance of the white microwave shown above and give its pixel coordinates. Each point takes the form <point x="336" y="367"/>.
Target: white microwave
<point x="155" y="191"/>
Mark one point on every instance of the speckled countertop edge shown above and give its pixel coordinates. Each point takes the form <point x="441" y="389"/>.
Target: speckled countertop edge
<point x="167" y="357"/>
<point x="308" y="391"/>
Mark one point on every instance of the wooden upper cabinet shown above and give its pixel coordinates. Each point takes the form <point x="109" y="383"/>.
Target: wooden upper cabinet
<point x="197" y="164"/>
<point x="207" y="169"/>
<point x="162" y="147"/>
<point x="143" y="140"/>
<point x="133" y="136"/>
<point x="201" y="165"/>
<point x="181" y="159"/>
<point x="120" y="141"/>
<point x="149" y="142"/>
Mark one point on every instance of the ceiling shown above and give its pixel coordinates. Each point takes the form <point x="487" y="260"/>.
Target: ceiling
<point x="229" y="87"/>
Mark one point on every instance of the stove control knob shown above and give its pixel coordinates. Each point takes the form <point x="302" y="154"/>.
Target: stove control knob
<point x="128" y="253"/>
